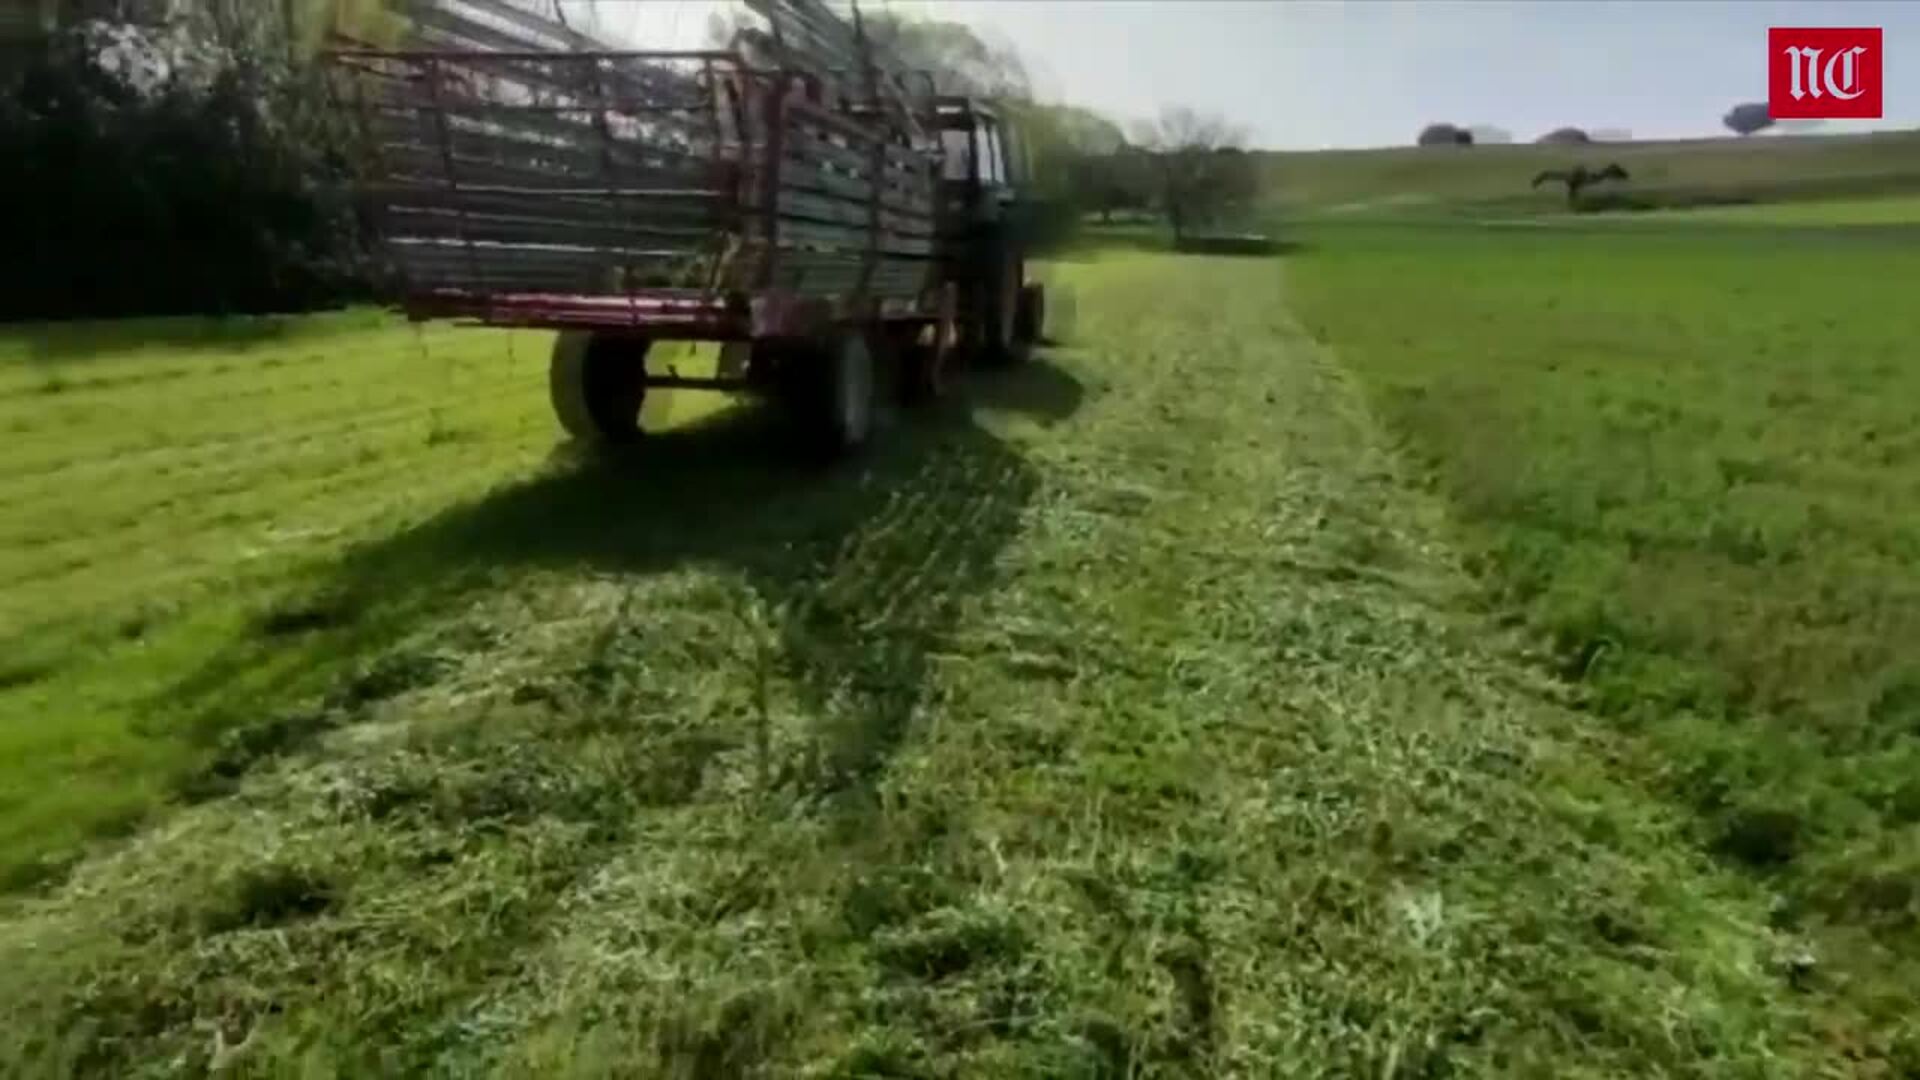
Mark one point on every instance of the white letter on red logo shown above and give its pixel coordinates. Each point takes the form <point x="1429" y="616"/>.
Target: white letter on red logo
<point x="1847" y="71"/>
<point x="1797" y="56"/>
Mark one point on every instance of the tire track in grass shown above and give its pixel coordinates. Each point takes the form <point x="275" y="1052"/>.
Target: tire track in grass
<point x="162" y="563"/>
<point x="205" y="361"/>
<point x="290" y="405"/>
<point x="377" y="443"/>
<point x="169" y="448"/>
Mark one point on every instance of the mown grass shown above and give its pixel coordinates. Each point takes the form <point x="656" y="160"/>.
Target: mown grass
<point x="1128" y="719"/>
<point x="1689" y="457"/>
<point x="168" y="482"/>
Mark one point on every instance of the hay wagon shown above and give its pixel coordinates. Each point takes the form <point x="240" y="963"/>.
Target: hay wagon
<point x="829" y="221"/>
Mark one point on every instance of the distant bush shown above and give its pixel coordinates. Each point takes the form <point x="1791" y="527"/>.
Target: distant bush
<point x="1444" y="135"/>
<point x="1566" y="136"/>
<point x="1748" y="117"/>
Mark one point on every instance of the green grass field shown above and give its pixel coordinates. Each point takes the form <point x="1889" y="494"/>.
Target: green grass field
<point x="1425" y="181"/>
<point x="1445" y="649"/>
<point x="170" y="484"/>
<point x="1689" y="457"/>
<point x="1139" y="716"/>
<point x="1885" y="210"/>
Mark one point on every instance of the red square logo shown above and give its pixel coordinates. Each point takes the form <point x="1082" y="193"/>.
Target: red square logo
<point x="1823" y="73"/>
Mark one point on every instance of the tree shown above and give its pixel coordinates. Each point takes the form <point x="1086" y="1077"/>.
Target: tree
<point x="1074" y="157"/>
<point x="1566" y="136"/>
<point x="1444" y="135"/>
<point x="1199" y="165"/>
<point x="1124" y="180"/>
<point x="958" y="58"/>
<point x="1747" y="118"/>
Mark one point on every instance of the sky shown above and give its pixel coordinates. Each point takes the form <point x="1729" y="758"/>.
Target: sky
<point x="1307" y="75"/>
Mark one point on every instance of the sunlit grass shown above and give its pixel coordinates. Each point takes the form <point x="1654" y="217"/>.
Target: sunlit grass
<point x="1131" y="719"/>
<point x="165" y="479"/>
<point x="1689" y="457"/>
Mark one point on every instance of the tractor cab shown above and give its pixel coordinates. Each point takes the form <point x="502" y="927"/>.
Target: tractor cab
<point x="981" y="181"/>
<point x="980" y="173"/>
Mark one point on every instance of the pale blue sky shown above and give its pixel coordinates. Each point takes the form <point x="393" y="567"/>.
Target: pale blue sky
<point x="1306" y="75"/>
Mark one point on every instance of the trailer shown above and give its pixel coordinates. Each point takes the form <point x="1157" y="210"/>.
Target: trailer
<point x="824" y="217"/>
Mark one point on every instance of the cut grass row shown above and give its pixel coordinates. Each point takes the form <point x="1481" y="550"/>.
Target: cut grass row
<point x="1689" y="457"/>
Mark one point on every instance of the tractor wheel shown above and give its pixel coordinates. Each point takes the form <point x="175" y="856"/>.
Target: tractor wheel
<point x="931" y="354"/>
<point x="1030" y="321"/>
<point x="999" y="313"/>
<point x="598" y="383"/>
<point x="831" y="390"/>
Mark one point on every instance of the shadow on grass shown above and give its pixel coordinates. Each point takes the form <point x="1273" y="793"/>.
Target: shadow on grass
<point x="861" y="567"/>
<point x="1039" y="388"/>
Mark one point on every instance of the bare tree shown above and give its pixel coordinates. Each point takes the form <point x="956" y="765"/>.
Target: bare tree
<point x="1747" y="118"/>
<point x="1200" y="165"/>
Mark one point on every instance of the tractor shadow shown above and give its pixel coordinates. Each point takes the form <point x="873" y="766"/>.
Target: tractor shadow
<point x="861" y="568"/>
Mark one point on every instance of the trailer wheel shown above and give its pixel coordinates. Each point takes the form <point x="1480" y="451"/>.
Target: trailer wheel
<point x="1030" y="320"/>
<point x="832" y="392"/>
<point x="999" y="315"/>
<point x="598" y="383"/>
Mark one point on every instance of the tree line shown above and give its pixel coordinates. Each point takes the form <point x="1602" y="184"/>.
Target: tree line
<point x="1746" y="118"/>
<point x="1187" y="166"/>
<point x="161" y="159"/>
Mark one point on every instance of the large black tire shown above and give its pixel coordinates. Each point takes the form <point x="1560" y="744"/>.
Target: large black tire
<point x="831" y="387"/>
<point x="999" y="312"/>
<point x="597" y="383"/>
<point x="1030" y="321"/>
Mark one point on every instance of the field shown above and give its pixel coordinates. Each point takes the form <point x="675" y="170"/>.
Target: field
<point x="1473" y="180"/>
<point x="171" y="483"/>
<point x="1445" y="649"/>
<point x="1885" y="210"/>
<point x="1687" y="457"/>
